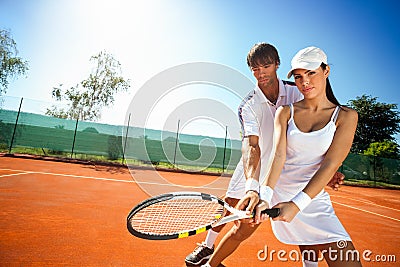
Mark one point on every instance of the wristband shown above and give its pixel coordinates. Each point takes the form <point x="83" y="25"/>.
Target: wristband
<point x="252" y="185"/>
<point x="301" y="200"/>
<point x="266" y="193"/>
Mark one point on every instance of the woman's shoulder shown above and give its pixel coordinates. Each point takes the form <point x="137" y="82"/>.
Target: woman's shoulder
<point x="283" y="111"/>
<point x="348" y="114"/>
<point x="284" y="108"/>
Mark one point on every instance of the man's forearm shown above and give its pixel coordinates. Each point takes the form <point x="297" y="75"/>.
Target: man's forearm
<point x="251" y="163"/>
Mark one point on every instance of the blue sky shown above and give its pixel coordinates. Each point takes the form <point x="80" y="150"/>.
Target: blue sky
<point x="360" y="37"/>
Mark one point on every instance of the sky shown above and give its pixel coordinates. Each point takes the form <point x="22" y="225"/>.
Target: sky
<point x="152" y="39"/>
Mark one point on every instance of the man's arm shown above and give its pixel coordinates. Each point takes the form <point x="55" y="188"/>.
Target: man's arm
<point x="251" y="154"/>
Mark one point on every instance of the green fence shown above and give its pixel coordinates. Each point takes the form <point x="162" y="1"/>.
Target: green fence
<point x="371" y="168"/>
<point x="24" y="125"/>
<point x="31" y="128"/>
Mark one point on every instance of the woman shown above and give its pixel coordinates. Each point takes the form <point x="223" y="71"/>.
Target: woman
<point x="313" y="138"/>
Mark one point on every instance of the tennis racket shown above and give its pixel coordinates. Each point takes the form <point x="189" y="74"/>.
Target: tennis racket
<point x="182" y="214"/>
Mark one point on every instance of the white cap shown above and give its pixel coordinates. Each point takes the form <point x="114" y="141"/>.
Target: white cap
<point x="309" y="58"/>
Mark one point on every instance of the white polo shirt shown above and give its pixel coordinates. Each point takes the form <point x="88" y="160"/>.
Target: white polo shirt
<point x="256" y="115"/>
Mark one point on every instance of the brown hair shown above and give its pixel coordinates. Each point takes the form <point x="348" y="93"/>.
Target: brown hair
<point x="262" y="54"/>
<point x="329" y="92"/>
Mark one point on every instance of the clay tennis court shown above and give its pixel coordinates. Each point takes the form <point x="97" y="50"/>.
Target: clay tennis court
<point x="68" y="214"/>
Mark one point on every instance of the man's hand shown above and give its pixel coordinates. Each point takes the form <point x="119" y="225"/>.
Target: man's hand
<point x="336" y="181"/>
<point x="248" y="203"/>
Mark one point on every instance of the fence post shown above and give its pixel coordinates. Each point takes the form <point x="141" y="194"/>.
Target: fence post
<point x="126" y="138"/>
<point x="73" y="142"/>
<point x="176" y="142"/>
<point x="374" y="169"/>
<point x="15" y="126"/>
<point x="223" y="160"/>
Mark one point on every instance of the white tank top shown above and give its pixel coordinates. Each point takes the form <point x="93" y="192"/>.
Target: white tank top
<point x="304" y="153"/>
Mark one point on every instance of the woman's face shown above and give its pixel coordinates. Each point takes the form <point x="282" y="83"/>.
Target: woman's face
<point x="311" y="83"/>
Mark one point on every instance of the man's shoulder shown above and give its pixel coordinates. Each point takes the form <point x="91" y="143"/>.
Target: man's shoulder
<point x="251" y="102"/>
<point x="248" y="98"/>
<point x="291" y="92"/>
<point x="288" y="83"/>
<point x="290" y="87"/>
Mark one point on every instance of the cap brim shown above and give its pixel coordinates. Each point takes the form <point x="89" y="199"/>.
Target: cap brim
<point x="289" y="74"/>
<point x="304" y="65"/>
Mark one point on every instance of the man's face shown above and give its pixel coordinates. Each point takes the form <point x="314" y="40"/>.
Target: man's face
<point x="265" y="73"/>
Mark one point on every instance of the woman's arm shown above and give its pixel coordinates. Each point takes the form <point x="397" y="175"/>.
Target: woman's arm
<point x="280" y="128"/>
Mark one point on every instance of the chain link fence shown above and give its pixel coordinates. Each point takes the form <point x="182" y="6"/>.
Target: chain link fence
<point x="25" y="127"/>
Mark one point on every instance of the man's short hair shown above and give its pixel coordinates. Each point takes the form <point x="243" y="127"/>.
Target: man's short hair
<point x="262" y="54"/>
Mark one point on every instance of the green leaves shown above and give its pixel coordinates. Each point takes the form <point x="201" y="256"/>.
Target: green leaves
<point x="385" y="149"/>
<point x="377" y="122"/>
<point x="11" y="65"/>
<point x="86" y="99"/>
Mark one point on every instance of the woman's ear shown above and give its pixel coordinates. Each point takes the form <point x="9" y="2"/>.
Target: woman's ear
<point x="327" y="71"/>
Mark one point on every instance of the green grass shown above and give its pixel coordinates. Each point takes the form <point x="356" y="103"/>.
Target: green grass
<point x="44" y="152"/>
<point x="369" y="183"/>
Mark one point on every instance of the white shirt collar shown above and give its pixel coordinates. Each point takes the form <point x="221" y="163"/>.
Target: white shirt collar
<point x="264" y="99"/>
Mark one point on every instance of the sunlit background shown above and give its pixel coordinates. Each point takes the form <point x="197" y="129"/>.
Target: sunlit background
<point x="361" y="39"/>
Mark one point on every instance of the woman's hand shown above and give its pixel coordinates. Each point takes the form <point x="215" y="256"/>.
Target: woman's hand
<point x="259" y="218"/>
<point x="288" y="211"/>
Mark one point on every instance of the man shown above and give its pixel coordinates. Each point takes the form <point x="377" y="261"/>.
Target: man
<point x="256" y="115"/>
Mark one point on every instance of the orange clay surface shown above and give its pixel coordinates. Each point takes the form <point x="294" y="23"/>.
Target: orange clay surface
<point x="68" y="214"/>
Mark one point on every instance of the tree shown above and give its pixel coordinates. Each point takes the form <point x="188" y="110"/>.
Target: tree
<point x="384" y="159"/>
<point x="85" y="100"/>
<point x="11" y="65"/>
<point x="114" y="150"/>
<point x="386" y="149"/>
<point x="377" y="122"/>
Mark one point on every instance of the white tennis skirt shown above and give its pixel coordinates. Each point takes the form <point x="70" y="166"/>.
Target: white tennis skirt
<point x="316" y="224"/>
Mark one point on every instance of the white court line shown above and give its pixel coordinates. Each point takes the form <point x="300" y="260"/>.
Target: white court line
<point x="128" y="181"/>
<point x="105" y="179"/>
<point x="14" y="174"/>
<point x="60" y="174"/>
<point x="367" y="202"/>
<point x="370" y="212"/>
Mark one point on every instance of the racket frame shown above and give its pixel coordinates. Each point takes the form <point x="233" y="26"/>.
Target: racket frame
<point x="219" y="220"/>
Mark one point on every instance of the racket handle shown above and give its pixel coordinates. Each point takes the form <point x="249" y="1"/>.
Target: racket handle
<point x="271" y="212"/>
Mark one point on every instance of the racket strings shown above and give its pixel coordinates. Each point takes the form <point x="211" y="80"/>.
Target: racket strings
<point x="176" y="215"/>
